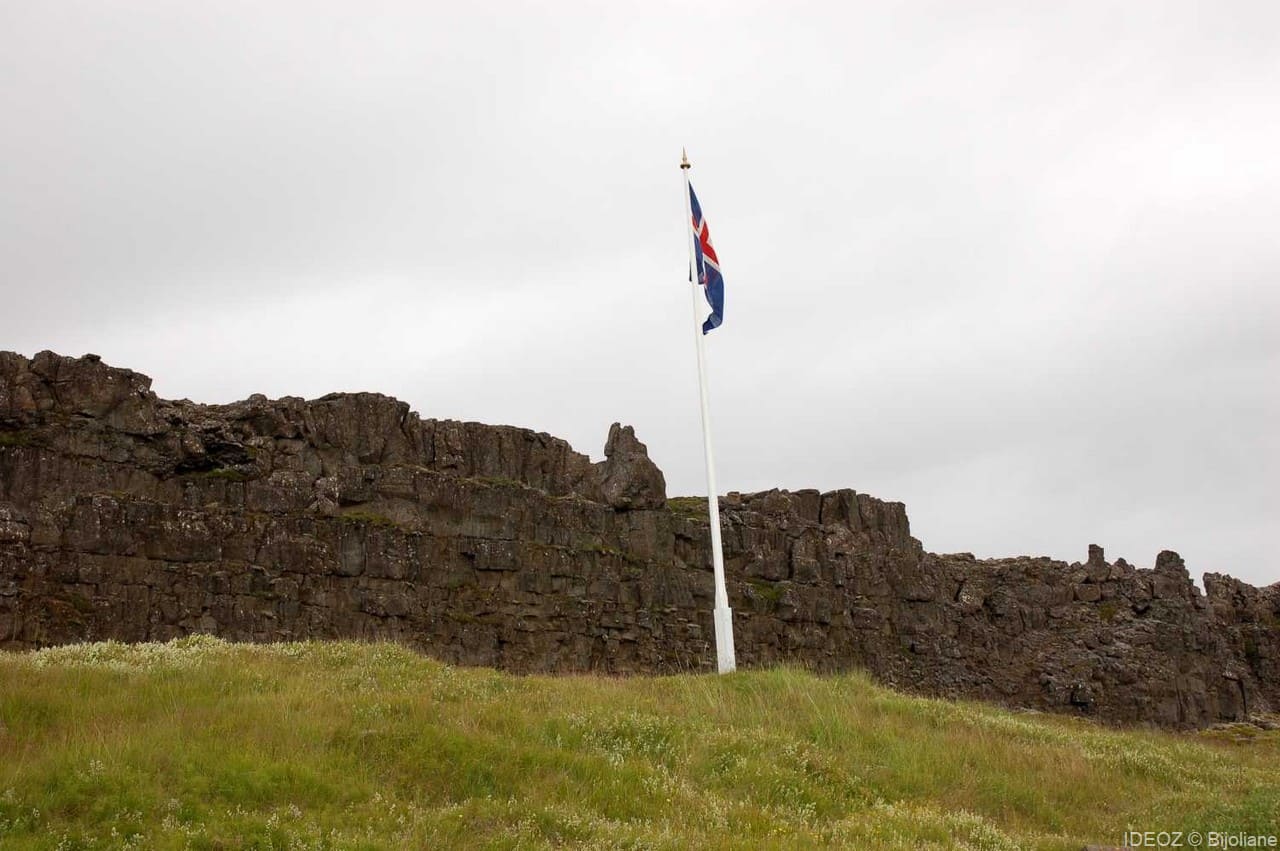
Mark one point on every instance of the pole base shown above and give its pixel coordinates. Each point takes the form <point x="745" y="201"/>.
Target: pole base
<point x="725" y="659"/>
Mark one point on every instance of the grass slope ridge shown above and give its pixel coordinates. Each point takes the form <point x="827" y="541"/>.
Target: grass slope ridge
<point x="202" y="744"/>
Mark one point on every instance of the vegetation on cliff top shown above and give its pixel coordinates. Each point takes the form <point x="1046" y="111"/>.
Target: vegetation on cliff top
<point x="691" y="507"/>
<point x="202" y="744"/>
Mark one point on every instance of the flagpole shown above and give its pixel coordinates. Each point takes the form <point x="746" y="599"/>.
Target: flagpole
<point x="722" y="615"/>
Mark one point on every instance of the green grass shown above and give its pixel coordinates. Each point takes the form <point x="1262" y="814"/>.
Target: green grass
<point x="770" y="592"/>
<point x="207" y="745"/>
<point x="366" y="518"/>
<point x="18" y="437"/>
<point x="691" y="507"/>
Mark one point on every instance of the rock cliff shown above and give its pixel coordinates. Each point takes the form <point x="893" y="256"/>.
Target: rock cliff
<point x="127" y="516"/>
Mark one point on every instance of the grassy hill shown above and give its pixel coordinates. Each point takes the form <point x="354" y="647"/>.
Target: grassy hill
<point x="207" y="745"/>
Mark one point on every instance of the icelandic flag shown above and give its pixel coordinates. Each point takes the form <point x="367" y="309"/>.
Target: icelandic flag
<point x="708" y="266"/>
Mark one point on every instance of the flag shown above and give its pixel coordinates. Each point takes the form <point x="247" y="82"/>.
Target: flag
<point x="707" y="266"/>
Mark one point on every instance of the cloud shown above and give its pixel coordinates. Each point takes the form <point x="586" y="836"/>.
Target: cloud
<point x="1012" y="265"/>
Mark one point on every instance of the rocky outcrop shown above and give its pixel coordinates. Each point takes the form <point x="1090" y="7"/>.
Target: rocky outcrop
<point x="127" y="516"/>
<point x="628" y="478"/>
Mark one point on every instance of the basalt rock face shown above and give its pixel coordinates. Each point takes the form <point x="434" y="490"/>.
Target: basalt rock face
<point x="131" y="517"/>
<point x="628" y="478"/>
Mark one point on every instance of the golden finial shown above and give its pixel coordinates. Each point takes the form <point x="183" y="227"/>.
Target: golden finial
<point x="684" y="159"/>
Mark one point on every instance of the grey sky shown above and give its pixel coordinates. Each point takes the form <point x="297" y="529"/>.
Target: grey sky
<point x="1014" y="264"/>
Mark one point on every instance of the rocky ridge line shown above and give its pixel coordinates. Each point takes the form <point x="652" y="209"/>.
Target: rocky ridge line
<point x="127" y="516"/>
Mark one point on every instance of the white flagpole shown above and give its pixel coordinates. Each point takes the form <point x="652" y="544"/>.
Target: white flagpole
<point x="723" y="616"/>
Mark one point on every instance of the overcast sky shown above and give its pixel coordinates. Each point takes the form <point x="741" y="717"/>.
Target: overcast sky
<point x="1014" y="264"/>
